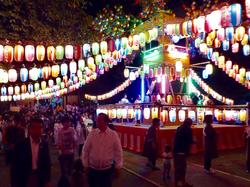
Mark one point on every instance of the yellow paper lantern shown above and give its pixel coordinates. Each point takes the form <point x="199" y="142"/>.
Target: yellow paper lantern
<point x="239" y="33"/>
<point x="154" y="112"/>
<point x="40" y="53"/>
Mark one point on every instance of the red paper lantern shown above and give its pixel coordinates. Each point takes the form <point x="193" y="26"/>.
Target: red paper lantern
<point x="111" y="45"/>
<point x="77" y="52"/>
<point x="8" y="53"/>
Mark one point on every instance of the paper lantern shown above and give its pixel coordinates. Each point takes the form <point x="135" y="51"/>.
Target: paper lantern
<point x="138" y="114"/>
<point x="10" y="90"/>
<point x="23" y="88"/>
<point x="154" y="112"/>
<point x="1" y="53"/>
<point x="117" y="44"/>
<point x="217" y="43"/>
<point x="119" y="113"/>
<point x="51" y="83"/>
<point x="124" y="113"/>
<point x="142" y="39"/>
<point x="55" y="70"/>
<point x="37" y="86"/>
<point x="225" y="16"/>
<point x="242" y="72"/>
<point x="184" y="28"/>
<point x="197" y="42"/>
<point x="43" y="85"/>
<point x="18" y="53"/>
<point x="12" y="75"/>
<point x="87" y="50"/>
<point x="239" y="33"/>
<point x="172" y="115"/>
<point x="77" y="52"/>
<point x="209" y="69"/>
<point x="69" y="52"/>
<point x="24" y="74"/>
<point x="181" y="115"/>
<point x="111" y="45"/>
<point x="72" y="67"/>
<point x="8" y="53"/>
<point x="246" y="50"/>
<point x="124" y="43"/>
<point x="228" y="65"/>
<point x="201" y="24"/>
<point x="209" y="53"/>
<point x="51" y="53"/>
<point x="3" y="91"/>
<point x="235" y="48"/>
<point x="126" y="72"/>
<point x="191" y="115"/>
<point x="104" y="47"/>
<point x="95" y="48"/>
<point x="59" y="52"/>
<point x="30" y="88"/>
<point x="245" y="39"/>
<point x="17" y="90"/>
<point x="225" y="45"/>
<point x="91" y="64"/>
<point x="229" y="33"/>
<point x="146" y="113"/>
<point x="131" y="113"/>
<point x="247" y="5"/>
<point x="58" y="81"/>
<point x="236" y="68"/>
<point x="164" y="116"/>
<point x="98" y="59"/>
<point x="203" y="48"/>
<point x="209" y="41"/>
<point x="40" y="53"/>
<point x="29" y="53"/>
<point x="64" y="69"/>
<point x="178" y="66"/>
<point x="221" y="34"/>
<point x="45" y="72"/>
<point x="136" y="42"/>
<point x="62" y="85"/>
<point x="81" y="64"/>
<point x="204" y="74"/>
<point x="132" y="76"/>
<point x="33" y="74"/>
<point x="155" y="33"/>
<point x="248" y="75"/>
<point x="243" y="115"/>
<point x="221" y="62"/>
<point x="236" y="14"/>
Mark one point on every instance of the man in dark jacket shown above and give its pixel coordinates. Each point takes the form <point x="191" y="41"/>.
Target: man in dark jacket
<point x="182" y="142"/>
<point x="31" y="162"/>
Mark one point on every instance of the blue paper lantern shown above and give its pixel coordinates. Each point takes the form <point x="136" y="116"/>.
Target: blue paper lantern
<point x="30" y="88"/>
<point x="40" y="75"/>
<point x="225" y="45"/>
<point x="236" y="14"/>
<point x="246" y="50"/>
<point x="229" y="33"/>
<point x="24" y="74"/>
<point x="64" y="69"/>
<point x="86" y="50"/>
<point x="204" y="74"/>
<point x="3" y="91"/>
<point x="209" y="53"/>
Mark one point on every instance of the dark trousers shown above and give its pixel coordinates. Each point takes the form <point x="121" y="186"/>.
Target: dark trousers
<point x="180" y="164"/>
<point x="100" y="178"/>
<point x="66" y="164"/>
<point x="207" y="163"/>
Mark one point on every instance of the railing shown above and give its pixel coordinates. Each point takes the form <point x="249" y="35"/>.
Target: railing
<point x="175" y="114"/>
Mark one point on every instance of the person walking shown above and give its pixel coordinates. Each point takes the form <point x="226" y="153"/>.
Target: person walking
<point x="81" y="135"/>
<point x="182" y="142"/>
<point x="101" y="150"/>
<point x="32" y="163"/>
<point x="66" y="145"/>
<point x="167" y="157"/>
<point x="210" y="144"/>
<point x="150" y="144"/>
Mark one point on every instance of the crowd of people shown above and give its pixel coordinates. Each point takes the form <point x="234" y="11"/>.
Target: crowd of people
<point x="89" y="144"/>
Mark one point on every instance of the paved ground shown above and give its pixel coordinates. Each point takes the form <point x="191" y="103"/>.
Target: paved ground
<point x="230" y="172"/>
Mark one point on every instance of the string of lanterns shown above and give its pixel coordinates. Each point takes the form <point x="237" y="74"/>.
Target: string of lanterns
<point x="118" y="89"/>
<point x="227" y="16"/>
<point x="209" y="90"/>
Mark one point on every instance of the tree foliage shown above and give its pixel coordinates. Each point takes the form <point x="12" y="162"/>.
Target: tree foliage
<point x="56" y="21"/>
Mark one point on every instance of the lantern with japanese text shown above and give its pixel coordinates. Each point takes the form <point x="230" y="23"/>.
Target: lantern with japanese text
<point x="77" y="52"/>
<point x="12" y="74"/>
<point x="154" y="112"/>
<point x="55" y="70"/>
<point x="225" y="45"/>
<point x="18" y="53"/>
<point x="225" y="16"/>
<point x="51" y="53"/>
<point x="40" y="53"/>
<point x="37" y="86"/>
<point x="91" y="64"/>
<point x="59" y="52"/>
<point x="229" y="33"/>
<point x="111" y="45"/>
<point x="181" y="115"/>
<point x="146" y="113"/>
<point x="247" y="5"/>
<point x="235" y="47"/>
<point x="172" y="115"/>
<point x="3" y="91"/>
<point x="58" y="81"/>
<point x="81" y="64"/>
<point x="239" y="33"/>
<point x="51" y="83"/>
<point x="86" y="50"/>
<point x="221" y="34"/>
<point x="24" y="74"/>
<point x="8" y="53"/>
<point x="69" y="52"/>
<point x="245" y="39"/>
<point x="246" y="50"/>
<point x="228" y="65"/>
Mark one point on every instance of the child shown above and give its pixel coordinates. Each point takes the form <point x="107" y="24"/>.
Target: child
<point x="167" y="157"/>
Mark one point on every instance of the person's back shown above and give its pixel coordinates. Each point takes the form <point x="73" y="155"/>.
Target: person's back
<point x="66" y="140"/>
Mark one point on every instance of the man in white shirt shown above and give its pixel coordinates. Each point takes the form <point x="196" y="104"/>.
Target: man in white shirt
<point x="101" y="151"/>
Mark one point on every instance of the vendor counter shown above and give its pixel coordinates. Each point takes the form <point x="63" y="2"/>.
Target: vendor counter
<point x="132" y="137"/>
